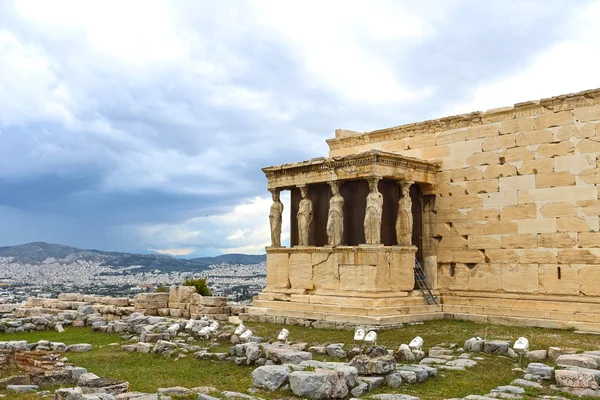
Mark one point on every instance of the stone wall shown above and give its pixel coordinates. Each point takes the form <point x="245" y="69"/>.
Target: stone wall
<point x="108" y="307"/>
<point x="517" y="204"/>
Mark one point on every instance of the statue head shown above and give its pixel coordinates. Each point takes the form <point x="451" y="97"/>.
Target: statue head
<point x="303" y="191"/>
<point x="274" y="194"/>
<point x="405" y="188"/>
<point x="373" y="182"/>
<point x="335" y="187"/>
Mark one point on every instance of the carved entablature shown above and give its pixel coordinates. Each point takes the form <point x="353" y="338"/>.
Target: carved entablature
<point x="519" y="110"/>
<point x="372" y="163"/>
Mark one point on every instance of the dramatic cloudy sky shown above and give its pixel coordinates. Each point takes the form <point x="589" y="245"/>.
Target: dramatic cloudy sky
<point x="143" y="125"/>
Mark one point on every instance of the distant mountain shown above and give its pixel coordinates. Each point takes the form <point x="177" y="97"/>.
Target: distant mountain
<point x="40" y="252"/>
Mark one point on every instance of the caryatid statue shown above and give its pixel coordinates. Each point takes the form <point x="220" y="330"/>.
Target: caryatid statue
<point x="372" y="224"/>
<point x="275" y="218"/>
<point x="304" y="217"/>
<point x="335" y="218"/>
<point x="404" y="220"/>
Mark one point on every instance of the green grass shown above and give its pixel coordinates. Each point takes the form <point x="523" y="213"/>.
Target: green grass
<point x="148" y="372"/>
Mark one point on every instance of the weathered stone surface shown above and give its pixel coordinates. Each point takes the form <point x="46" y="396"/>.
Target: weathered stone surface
<point x="376" y="361"/>
<point x="537" y="355"/>
<point x="578" y="378"/>
<point x="393" y="380"/>
<point x="578" y="360"/>
<point x="390" y="396"/>
<point x="80" y="348"/>
<point x="320" y="384"/>
<point x="270" y="377"/>
<point x="22" y="388"/>
<point x="542" y="371"/>
<point x="286" y="354"/>
<point x="555" y="352"/>
<point x="496" y="346"/>
<point x="474" y="344"/>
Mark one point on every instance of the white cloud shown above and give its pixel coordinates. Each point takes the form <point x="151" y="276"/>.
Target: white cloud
<point x="334" y="40"/>
<point x="571" y="65"/>
<point x="174" y="252"/>
<point x="244" y="229"/>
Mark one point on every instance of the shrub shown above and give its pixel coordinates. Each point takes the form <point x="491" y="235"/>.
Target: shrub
<point x="200" y="284"/>
<point x="161" y="289"/>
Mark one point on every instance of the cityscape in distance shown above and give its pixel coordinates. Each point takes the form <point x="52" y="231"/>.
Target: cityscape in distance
<point x="46" y="270"/>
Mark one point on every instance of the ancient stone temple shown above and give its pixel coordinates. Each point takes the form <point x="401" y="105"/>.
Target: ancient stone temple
<point x="500" y="207"/>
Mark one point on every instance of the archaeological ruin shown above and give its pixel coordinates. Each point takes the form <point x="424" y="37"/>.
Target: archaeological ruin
<point x="500" y="208"/>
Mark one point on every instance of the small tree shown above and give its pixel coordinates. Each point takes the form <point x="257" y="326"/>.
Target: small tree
<point x="161" y="289"/>
<point x="200" y="285"/>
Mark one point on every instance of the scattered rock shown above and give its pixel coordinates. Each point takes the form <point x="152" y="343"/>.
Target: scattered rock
<point x="320" y="384"/>
<point x="80" y="348"/>
<point x="270" y="377"/>
<point x="376" y="361"/>
<point x="496" y="346"/>
<point x="22" y="388"/>
<point x="578" y="360"/>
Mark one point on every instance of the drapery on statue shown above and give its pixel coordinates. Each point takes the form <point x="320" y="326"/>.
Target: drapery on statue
<point x="404" y="220"/>
<point x="304" y="217"/>
<point x="275" y="218"/>
<point x="372" y="224"/>
<point x="335" y="217"/>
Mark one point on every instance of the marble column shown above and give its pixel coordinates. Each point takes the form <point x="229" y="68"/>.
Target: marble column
<point x="304" y="217"/>
<point x="275" y="218"/>
<point x="335" y="216"/>
<point x="373" y="212"/>
<point x="404" y="219"/>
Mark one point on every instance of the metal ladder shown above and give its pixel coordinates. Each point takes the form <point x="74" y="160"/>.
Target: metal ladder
<point x="423" y="284"/>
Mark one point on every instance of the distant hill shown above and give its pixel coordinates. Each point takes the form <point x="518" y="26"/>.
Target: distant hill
<point x="40" y="252"/>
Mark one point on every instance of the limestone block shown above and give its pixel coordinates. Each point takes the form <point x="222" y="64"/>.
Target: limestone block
<point x="482" y="186"/>
<point x="572" y="224"/>
<point x="587" y="146"/>
<point x="550" y="150"/>
<point x="465" y="174"/>
<point x="482" y="131"/>
<point x="278" y="270"/>
<point x="502" y="256"/>
<point x="499" y="171"/>
<point x="575" y="163"/>
<point x="543" y="165"/>
<point x="534" y="137"/>
<point x="519" y="242"/>
<point x="591" y="176"/>
<point x="499" y="199"/>
<point x="520" y="278"/>
<point x="300" y="271"/>
<point x="445" y="137"/>
<point x="468" y="228"/>
<point x="402" y="278"/>
<point x="556" y="195"/>
<point x="592" y="209"/>
<point x="589" y="276"/>
<point x="525" y="198"/>
<point x="523" y="211"/>
<point x="449" y="215"/>
<point x="517" y="154"/>
<point x="548" y="120"/>
<point x="431" y="153"/>
<point x="547" y="225"/>
<point x="516" y="125"/>
<point x="499" y="142"/>
<point x="483" y="214"/>
<point x="180" y="294"/>
<point x="588" y="130"/>
<point x="585" y="114"/>
<point x="325" y="271"/>
<point x="485" y="158"/>
<point x="500" y="228"/>
<point x="530" y="256"/>
<point x="466" y="201"/>
<point x="554" y="179"/>
<point x="558" y="210"/>
<point x="566" y="132"/>
<point x="483" y="242"/>
<point x="358" y="277"/>
<point x="524" y="182"/>
<point x="459" y="152"/>
<point x="468" y="256"/>
<point x="394" y="146"/>
<point x="454" y="277"/>
<point x="556" y="240"/>
<point x="486" y="277"/>
<point x="420" y="141"/>
<point x="451" y="239"/>
<point x="551" y="283"/>
<point x="577" y="256"/>
<point x="589" y="239"/>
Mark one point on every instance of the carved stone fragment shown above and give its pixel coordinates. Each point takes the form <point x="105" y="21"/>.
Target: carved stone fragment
<point x="335" y="218"/>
